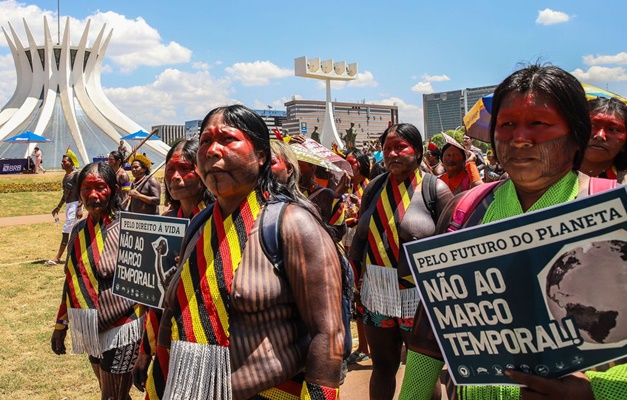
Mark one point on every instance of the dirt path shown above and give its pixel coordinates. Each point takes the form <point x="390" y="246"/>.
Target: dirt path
<point x="29" y="219"/>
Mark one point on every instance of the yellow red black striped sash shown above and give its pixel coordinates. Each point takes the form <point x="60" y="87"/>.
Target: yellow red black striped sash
<point x="338" y="215"/>
<point x="82" y="264"/>
<point x="383" y="239"/>
<point x="201" y="311"/>
<point x="199" y="207"/>
<point x="358" y="189"/>
<point x="297" y="388"/>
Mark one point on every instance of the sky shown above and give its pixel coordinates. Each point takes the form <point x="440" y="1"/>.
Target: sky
<point x="173" y="61"/>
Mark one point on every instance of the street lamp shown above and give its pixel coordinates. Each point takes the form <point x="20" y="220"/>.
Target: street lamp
<point x="327" y="70"/>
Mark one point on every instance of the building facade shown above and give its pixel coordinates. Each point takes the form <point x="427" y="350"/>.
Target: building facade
<point x="170" y="133"/>
<point x="445" y="111"/>
<point x="273" y="118"/>
<point x="370" y="120"/>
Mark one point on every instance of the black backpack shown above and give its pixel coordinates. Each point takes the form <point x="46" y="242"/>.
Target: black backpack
<point x="429" y="192"/>
<point x="270" y="222"/>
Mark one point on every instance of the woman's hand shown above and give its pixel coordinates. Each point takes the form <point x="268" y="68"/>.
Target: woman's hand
<point x="342" y="185"/>
<point x="140" y="371"/>
<point x="57" y="342"/>
<point x="572" y="387"/>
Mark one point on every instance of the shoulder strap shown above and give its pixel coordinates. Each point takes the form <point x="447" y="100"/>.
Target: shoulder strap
<point x="598" y="185"/>
<point x="316" y="192"/>
<point x="429" y="194"/>
<point x="195" y="224"/>
<point x="270" y="232"/>
<point x="374" y="187"/>
<point x="468" y="202"/>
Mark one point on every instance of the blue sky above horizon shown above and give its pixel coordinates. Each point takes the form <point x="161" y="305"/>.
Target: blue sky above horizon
<point x="169" y="62"/>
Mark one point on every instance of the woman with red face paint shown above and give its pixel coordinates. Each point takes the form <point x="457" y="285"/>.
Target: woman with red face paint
<point x="241" y="326"/>
<point x="461" y="169"/>
<point x="393" y="211"/>
<point x="606" y="155"/>
<point x="187" y="196"/>
<point x="540" y="129"/>
<point x="105" y="326"/>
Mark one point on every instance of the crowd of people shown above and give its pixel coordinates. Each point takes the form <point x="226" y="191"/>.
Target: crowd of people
<point x="246" y="316"/>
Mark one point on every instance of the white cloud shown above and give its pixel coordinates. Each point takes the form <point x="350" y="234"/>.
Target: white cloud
<point x="601" y="74"/>
<point x="422" y="87"/>
<point x="9" y="77"/>
<point x="620" y="59"/>
<point x="202" y="66"/>
<point x="175" y="96"/>
<point x="435" y="78"/>
<point x="365" y="79"/>
<point x="408" y="113"/>
<point x="551" y="17"/>
<point x="134" y="43"/>
<point x="258" y="73"/>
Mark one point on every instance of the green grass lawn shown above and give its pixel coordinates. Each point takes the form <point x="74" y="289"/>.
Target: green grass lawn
<point x="30" y="294"/>
<point x="28" y="203"/>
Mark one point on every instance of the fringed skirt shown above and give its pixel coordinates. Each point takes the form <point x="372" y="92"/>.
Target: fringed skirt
<point x="380" y="293"/>
<point x="87" y="339"/>
<point x="198" y="372"/>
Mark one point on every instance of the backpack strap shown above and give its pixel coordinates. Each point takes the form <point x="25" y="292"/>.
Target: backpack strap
<point x="467" y="204"/>
<point x="270" y="233"/>
<point x="316" y="192"/>
<point x="598" y="185"/>
<point x="374" y="188"/>
<point x="195" y="224"/>
<point x="429" y="194"/>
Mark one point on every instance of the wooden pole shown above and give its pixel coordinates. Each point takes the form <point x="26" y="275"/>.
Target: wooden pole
<point x="138" y="146"/>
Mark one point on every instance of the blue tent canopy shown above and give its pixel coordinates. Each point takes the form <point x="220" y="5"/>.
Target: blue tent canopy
<point x="27" y="137"/>
<point x="140" y="135"/>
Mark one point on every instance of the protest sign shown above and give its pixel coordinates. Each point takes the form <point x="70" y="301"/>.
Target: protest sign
<point x="542" y="293"/>
<point x="147" y="251"/>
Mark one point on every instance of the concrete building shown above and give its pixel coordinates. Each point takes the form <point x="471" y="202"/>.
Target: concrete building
<point x="58" y="95"/>
<point x="273" y="118"/>
<point x="370" y="120"/>
<point x="444" y="111"/>
<point x="170" y="133"/>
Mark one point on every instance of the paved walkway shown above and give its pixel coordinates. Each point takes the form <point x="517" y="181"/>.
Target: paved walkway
<point x="29" y="219"/>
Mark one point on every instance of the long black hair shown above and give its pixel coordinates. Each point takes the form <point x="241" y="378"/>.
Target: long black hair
<point x="562" y="89"/>
<point x="364" y="162"/>
<point x="108" y="175"/>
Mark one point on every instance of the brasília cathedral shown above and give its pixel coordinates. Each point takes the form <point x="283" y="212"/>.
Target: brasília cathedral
<point x="59" y="96"/>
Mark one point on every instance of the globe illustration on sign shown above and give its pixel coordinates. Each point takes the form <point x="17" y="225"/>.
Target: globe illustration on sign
<point x="587" y="283"/>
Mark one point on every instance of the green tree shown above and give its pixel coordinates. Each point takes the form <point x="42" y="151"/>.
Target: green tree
<point x="456" y="134"/>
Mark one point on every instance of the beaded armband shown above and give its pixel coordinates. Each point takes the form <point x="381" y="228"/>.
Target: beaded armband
<point x="311" y="391"/>
<point x="60" y="325"/>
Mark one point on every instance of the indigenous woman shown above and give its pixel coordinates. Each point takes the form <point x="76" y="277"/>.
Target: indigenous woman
<point x="106" y="327"/>
<point x="284" y="166"/>
<point x="240" y="326"/>
<point x="605" y="156"/>
<point x="393" y="211"/>
<point x="461" y="169"/>
<point x="539" y="129"/>
<point x="432" y="162"/>
<point x="187" y="196"/>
